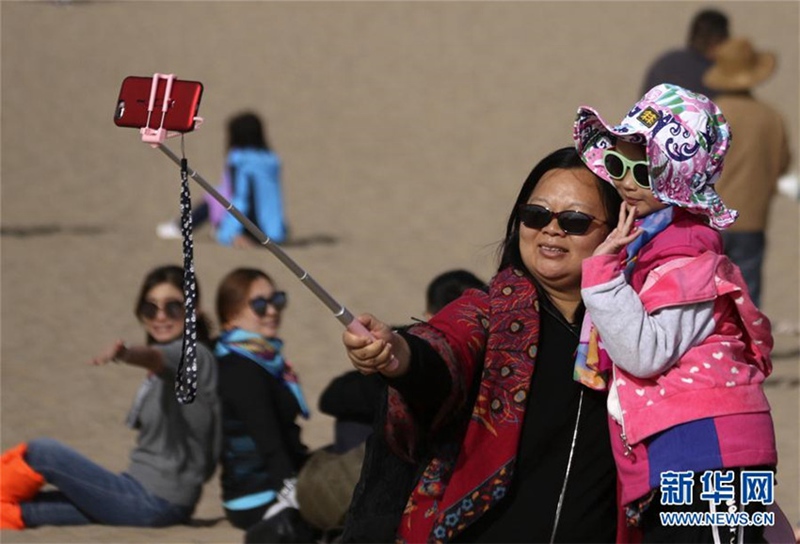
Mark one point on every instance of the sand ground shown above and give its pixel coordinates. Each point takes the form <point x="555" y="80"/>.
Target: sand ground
<point x="406" y="129"/>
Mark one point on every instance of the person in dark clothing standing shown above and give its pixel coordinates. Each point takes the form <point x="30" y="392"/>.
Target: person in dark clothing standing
<point x="261" y="400"/>
<point x="686" y="67"/>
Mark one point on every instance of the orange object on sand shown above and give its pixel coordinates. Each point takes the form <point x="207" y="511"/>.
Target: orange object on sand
<point x="11" y="516"/>
<point x="18" y="483"/>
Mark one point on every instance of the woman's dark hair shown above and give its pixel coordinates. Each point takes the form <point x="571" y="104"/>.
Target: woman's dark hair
<point x="566" y="158"/>
<point x="233" y="290"/>
<point x="172" y="275"/>
<point x="246" y="131"/>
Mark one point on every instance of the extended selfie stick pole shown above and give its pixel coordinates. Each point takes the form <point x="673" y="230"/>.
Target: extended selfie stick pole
<point x="156" y="137"/>
<point x="340" y="312"/>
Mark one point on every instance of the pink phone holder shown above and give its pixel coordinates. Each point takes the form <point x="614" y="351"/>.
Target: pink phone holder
<point x="155" y="137"/>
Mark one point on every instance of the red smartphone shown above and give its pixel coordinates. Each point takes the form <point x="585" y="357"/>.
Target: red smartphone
<point x="134" y="98"/>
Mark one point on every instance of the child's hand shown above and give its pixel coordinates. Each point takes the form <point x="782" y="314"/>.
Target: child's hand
<point x="622" y="235"/>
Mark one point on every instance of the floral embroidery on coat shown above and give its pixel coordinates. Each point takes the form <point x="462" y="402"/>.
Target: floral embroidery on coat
<point x="492" y="338"/>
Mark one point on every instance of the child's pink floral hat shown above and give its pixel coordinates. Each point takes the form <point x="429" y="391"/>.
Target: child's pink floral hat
<point x="685" y="136"/>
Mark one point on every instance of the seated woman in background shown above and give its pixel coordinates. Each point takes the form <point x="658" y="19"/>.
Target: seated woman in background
<point x="176" y="449"/>
<point x="251" y="181"/>
<point x="261" y="399"/>
<point x="254" y="171"/>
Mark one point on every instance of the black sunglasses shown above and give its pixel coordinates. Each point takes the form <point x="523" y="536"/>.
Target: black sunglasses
<point x="534" y="216"/>
<point x="173" y="309"/>
<point x="259" y="305"/>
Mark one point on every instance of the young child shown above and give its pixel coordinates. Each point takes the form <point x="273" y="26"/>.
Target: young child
<point x="690" y="351"/>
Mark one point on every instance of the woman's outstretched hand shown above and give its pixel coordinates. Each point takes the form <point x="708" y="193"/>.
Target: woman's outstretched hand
<point x="623" y="234"/>
<point x="377" y="354"/>
<point x="111" y="353"/>
<point x="143" y="356"/>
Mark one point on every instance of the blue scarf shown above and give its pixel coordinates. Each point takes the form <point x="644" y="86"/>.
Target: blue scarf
<point x="651" y="225"/>
<point x="266" y="353"/>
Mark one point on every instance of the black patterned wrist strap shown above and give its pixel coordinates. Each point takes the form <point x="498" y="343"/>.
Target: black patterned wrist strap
<point x="186" y="379"/>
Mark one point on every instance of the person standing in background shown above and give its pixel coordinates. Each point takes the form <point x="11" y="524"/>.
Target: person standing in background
<point x="685" y="67"/>
<point x="758" y="156"/>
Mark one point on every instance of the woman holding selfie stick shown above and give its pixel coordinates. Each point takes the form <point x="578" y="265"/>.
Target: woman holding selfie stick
<point x="176" y="449"/>
<point x="487" y="435"/>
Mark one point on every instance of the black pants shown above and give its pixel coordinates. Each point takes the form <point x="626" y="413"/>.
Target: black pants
<point x="244" y="519"/>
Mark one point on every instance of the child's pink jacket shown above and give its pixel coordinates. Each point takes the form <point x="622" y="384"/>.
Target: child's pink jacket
<point x="720" y="376"/>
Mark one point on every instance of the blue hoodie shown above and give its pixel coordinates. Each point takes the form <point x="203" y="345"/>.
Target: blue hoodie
<point x="256" y="192"/>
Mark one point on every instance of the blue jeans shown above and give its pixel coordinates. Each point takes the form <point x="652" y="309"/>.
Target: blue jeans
<point x="88" y="493"/>
<point x="746" y="250"/>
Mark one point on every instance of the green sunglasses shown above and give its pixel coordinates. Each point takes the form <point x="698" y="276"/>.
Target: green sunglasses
<point x="617" y="165"/>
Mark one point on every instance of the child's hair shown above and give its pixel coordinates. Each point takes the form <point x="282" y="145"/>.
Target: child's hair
<point x="685" y="137"/>
<point x="246" y="131"/>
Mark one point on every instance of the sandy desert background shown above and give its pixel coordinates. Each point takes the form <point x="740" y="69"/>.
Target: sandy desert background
<point x="405" y="129"/>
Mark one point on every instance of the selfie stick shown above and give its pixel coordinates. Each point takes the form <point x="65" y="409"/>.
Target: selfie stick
<point x="339" y="312"/>
<point x="156" y="139"/>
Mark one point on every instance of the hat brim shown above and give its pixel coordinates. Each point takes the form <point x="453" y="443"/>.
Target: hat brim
<point x="720" y="79"/>
<point x="683" y="176"/>
<point x="592" y="136"/>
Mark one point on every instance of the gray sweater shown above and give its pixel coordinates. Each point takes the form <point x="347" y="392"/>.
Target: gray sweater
<point x="178" y="445"/>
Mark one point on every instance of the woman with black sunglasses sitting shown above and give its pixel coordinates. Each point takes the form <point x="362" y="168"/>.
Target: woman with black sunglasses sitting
<point x="176" y="450"/>
<point x="261" y="399"/>
<point x="491" y="432"/>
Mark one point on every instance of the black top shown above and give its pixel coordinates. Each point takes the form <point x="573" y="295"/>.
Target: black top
<point x="352" y="396"/>
<point x="528" y="512"/>
<point x="588" y="512"/>
<point x="261" y="441"/>
<point x="684" y="67"/>
<point x="353" y="399"/>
